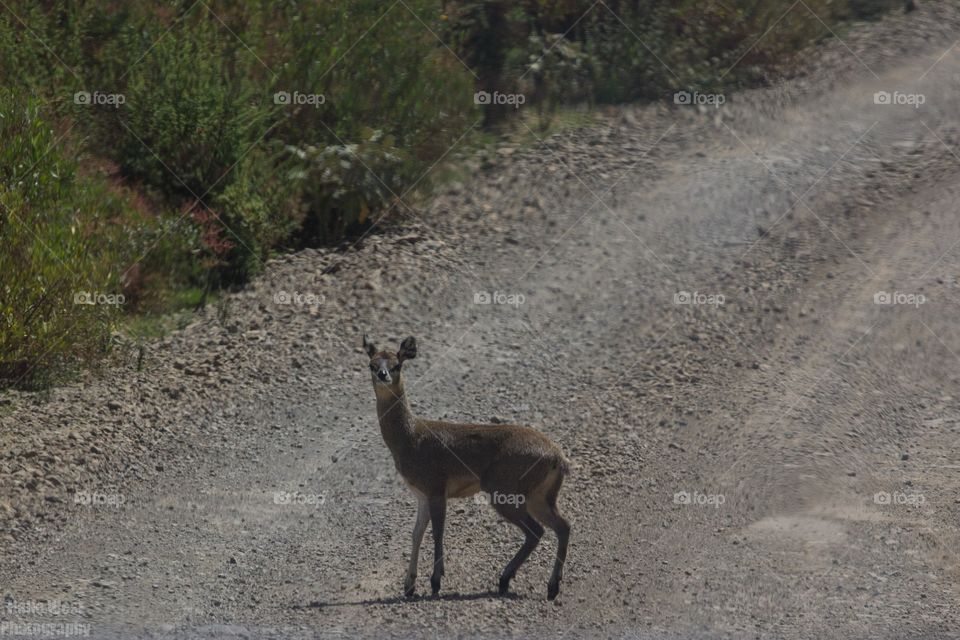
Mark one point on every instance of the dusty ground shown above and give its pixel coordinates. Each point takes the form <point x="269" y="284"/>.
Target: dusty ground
<point x="815" y="430"/>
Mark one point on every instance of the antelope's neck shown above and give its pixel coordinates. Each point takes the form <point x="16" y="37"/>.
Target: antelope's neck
<point x="396" y="419"/>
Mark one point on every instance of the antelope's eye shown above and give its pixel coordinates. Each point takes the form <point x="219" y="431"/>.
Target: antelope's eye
<point x="396" y="368"/>
<point x="373" y="367"/>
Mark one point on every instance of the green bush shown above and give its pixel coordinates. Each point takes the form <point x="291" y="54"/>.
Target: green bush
<point x="259" y="211"/>
<point x="190" y="113"/>
<point x="376" y="71"/>
<point x="394" y="101"/>
<point x="61" y="249"/>
<point x="201" y="118"/>
<point x="569" y="51"/>
<point x="347" y="182"/>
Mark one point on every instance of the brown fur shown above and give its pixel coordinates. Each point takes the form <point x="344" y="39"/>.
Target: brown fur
<point x="440" y="460"/>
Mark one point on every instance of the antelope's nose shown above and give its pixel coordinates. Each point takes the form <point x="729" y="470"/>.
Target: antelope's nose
<point x="383" y="375"/>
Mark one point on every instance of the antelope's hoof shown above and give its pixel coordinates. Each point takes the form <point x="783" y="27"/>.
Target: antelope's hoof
<point x="553" y="589"/>
<point x="409" y="591"/>
<point x="504" y="586"/>
<point x="435" y="584"/>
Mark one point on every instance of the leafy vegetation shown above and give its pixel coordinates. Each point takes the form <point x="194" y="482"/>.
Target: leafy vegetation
<point x="162" y="150"/>
<point x="62" y="252"/>
<point x="562" y="51"/>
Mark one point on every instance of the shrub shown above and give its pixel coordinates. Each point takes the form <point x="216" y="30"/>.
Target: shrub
<point x="61" y="249"/>
<point x="190" y="113"/>
<point x="573" y="51"/>
<point x="258" y="212"/>
<point x="342" y="184"/>
<point x="395" y="100"/>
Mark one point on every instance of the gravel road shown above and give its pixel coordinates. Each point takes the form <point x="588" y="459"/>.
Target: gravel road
<point x="738" y="322"/>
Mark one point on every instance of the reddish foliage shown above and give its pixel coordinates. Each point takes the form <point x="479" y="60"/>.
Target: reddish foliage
<point x="211" y="231"/>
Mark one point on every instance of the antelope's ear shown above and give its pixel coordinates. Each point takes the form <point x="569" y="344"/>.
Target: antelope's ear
<point x="368" y="346"/>
<point x="408" y="349"/>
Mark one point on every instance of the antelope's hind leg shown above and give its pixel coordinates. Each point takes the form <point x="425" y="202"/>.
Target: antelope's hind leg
<point x="546" y="511"/>
<point x="531" y="529"/>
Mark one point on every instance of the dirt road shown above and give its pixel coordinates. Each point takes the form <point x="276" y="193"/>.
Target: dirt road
<point x="739" y="323"/>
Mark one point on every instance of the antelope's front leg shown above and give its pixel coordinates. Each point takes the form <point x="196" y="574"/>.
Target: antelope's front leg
<point x="419" y="528"/>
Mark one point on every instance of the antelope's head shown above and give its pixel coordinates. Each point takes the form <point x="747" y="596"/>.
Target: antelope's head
<point x="386" y="367"/>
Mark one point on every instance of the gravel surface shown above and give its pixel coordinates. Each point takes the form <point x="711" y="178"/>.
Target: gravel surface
<point x="691" y="302"/>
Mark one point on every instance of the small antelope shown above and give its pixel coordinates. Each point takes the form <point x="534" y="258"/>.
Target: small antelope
<point x="519" y="467"/>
